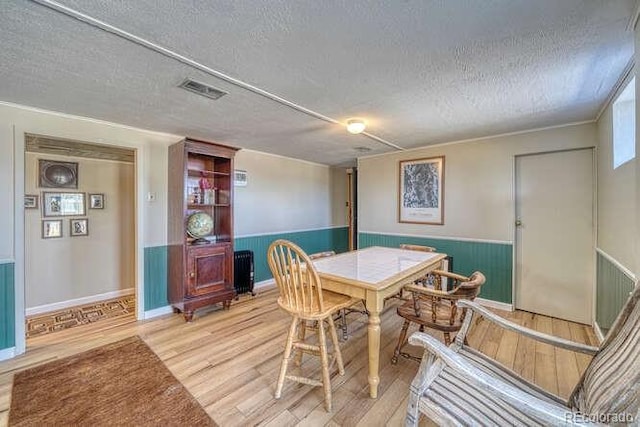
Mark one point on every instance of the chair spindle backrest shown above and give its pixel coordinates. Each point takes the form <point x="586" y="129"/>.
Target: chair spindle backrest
<point x="297" y="279"/>
<point x="611" y="382"/>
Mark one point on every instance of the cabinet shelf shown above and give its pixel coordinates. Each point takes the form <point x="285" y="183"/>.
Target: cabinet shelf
<point x="205" y="173"/>
<point x="193" y="206"/>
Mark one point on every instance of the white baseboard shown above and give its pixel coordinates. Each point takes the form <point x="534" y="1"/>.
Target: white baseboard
<point x="494" y="304"/>
<point x="265" y="284"/>
<point x="598" y="331"/>
<point x="160" y="311"/>
<point x="7" y="353"/>
<point x="47" y="308"/>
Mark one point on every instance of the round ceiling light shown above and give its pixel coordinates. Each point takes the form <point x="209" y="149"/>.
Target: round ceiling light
<point x="355" y="126"/>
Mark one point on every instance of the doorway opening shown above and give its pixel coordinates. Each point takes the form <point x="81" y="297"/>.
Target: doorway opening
<point x="352" y="207"/>
<point x="80" y="235"/>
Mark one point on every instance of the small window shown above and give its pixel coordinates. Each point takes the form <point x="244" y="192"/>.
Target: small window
<point x="624" y="125"/>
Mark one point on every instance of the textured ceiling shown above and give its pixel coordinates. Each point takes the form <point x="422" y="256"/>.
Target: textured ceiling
<point x="420" y="72"/>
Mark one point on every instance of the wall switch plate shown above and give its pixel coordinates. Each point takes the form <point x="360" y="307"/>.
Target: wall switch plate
<point x="151" y="196"/>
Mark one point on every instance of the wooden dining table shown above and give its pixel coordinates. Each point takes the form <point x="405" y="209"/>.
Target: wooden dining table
<point x="373" y="274"/>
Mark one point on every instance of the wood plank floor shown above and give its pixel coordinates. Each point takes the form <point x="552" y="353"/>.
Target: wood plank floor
<point x="229" y="361"/>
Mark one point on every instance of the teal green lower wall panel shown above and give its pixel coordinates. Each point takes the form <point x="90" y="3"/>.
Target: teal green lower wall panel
<point x="612" y="290"/>
<point x="494" y="260"/>
<point x="7" y="306"/>
<point x="155" y="277"/>
<point x="336" y="239"/>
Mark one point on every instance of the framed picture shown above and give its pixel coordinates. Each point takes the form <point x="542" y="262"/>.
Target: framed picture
<point x="421" y="193"/>
<point x="51" y="228"/>
<point x="96" y="201"/>
<point x="55" y="174"/>
<point x="240" y="178"/>
<point x="62" y="204"/>
<point x="30" y="201"/>
<point x="79" y="227"/>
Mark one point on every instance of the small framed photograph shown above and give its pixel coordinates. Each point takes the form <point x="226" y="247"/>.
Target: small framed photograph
<point x="51" y="228"/>
<point x="96" y="201"/>
<point x="55" y="174"/>
<point x="63" y="204"/>
<point x="79" y="227"/>
<point x="30" y="201"/>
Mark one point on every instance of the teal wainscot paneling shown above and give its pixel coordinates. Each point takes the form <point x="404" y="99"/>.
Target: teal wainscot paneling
<point x="612" y="290"/>
<point x="155" y="277"/>
<point x="494" y="260"/>
<point x="310" y="241"/>
<point x="7" y="306"/>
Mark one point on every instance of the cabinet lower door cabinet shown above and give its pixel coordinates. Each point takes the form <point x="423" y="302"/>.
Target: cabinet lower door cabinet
<point x="208" y="279"/>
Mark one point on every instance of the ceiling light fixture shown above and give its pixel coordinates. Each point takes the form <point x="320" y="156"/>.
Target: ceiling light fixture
<point x="355" y="126"/>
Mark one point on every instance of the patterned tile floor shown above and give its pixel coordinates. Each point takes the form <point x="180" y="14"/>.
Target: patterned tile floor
<point x="45" y="323"/>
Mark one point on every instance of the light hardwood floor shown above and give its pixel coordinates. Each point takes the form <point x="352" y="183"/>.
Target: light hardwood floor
<point x="229" y="361"/>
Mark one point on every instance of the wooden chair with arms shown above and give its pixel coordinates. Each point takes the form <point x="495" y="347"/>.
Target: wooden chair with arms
<point x="302" y="296"/>
<point x="608" y="392"/>
<point x="410" y="247"/>
<point x="434" y="308"/>
<point x="417" y="247"/>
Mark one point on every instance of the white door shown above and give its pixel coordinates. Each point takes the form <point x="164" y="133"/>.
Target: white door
<point x="555" y="234"/>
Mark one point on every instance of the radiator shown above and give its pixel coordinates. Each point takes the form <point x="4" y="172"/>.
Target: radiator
<point x="243" y="272"/>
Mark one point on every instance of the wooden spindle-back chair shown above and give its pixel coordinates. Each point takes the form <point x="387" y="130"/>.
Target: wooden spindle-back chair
<point x="302" y="296"/>
<point x="434" y="308"/>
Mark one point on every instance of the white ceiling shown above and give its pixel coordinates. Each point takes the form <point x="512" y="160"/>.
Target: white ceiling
<point x="420" y="72"/>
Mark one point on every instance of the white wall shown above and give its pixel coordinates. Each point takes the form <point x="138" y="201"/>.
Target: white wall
<point x="617" y="207"/>
<point x="478" y="190"/>
<point x="66" y="268"/>
<point x="282" y="194"/>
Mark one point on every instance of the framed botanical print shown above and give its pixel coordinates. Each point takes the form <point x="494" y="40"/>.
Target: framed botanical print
<point x="51" y="228"/>
<point x="79" y="227"/>
<point x="421" y="191"/>
<point x="63" y="204"/>
<point x="31" y="201"/>
<point x="96" y="201"/>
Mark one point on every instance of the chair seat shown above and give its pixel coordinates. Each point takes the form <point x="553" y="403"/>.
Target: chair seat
<point x="450" y="397"/>
<point x="333" y="302"/>
<point x="443" y="315"/>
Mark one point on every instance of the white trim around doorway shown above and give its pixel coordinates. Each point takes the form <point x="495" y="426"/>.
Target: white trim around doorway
<point x="19" y="235"/>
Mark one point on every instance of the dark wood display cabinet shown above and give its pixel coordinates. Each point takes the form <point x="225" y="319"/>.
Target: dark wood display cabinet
<point x="200" y="225"/>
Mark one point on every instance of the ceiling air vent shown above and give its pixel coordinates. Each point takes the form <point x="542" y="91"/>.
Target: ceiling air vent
<point x="362" y="149"/>
<point x="202" y="89"/>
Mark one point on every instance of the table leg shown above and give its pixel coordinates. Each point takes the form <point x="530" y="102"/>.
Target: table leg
<point x="374" y="352"/>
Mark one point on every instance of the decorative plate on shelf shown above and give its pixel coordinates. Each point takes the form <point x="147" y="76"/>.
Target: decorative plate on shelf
<point x="199" y="225"/>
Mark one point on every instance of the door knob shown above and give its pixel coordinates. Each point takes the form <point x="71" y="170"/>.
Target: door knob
<point x="518" y="223"/>
<point x="192" y="274"/>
